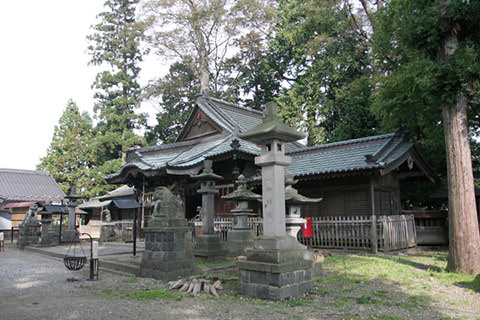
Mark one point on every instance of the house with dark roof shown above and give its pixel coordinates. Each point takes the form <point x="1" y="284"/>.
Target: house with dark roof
<point x="19" y="189"/>
<point x="354" y="177"/>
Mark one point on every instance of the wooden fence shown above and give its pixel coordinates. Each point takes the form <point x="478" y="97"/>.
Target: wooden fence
<point x="355" y="232"/>
<point x="340" y="232"/>
<point x="223" y="225"/>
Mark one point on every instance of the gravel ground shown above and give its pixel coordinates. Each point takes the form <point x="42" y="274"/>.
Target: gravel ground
<point x="36" y="287"/>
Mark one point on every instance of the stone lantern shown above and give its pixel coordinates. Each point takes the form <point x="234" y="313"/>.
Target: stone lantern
<point x="241" y="236"/>
<point x="277" y="266"/>
<point x="293" y="201"/>
<point x="71" y="232"/>
<point x="207" y="244"/>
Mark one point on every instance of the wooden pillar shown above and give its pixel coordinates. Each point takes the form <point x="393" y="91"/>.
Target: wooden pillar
<point x="374" y="220"/>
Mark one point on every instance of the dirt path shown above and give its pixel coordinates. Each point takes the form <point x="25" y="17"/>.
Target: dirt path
<point x="36" y="287"/>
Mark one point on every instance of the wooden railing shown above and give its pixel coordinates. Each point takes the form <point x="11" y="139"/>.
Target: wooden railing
<point x="353" y="232"/>
<point x="340" y="232"/>
<point x="392" y="232"/>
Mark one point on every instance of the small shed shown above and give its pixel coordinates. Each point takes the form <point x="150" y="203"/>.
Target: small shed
<point x="19" y="189"/>
<point x="111" y="217"/>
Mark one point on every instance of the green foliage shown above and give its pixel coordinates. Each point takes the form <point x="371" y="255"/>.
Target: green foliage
<point x="320" y="51"/>
<point x="199" y="36"/>
<point x="177" y="93"/>
<point x="417" y="81"/>
<point x="116" y="46"/>
<point x="69" y="157"/>
<point x="203" y="31"/>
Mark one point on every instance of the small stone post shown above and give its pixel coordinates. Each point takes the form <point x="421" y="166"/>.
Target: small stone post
<point x="241" y="236"/>
<point x="278" y="266"/>
<point x="2" y="242"/>
<point x="94" y="261"/>
<point x="208" y="244"/>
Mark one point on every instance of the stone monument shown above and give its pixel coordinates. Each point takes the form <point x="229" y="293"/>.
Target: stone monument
<point x="278" y="266"/>
<point x="241" y="236"/>
<point x="168" y="254"/>
<point x="208" y="244"/>
<point x="29" y="229"/>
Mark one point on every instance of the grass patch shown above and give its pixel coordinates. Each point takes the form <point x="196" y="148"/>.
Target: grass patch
<point x="131" y="279"/>
<point x="220" y="262"/>
<point x="350" y="269"/>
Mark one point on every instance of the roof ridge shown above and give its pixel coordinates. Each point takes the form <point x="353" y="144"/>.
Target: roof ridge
<point x="26" y="171"/>
<point x="220" y="141"/>
<point x="172" y="145"/>
<point x="387" y="149"/>
<point x="346" y="142"/>
<point x="235" y="106"/>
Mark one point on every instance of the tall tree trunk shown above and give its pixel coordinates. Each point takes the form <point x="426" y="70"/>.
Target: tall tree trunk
<point x="464" y="247"/>
<point x="464" y="237"/>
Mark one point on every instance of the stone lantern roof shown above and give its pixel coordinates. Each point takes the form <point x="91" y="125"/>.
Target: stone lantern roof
<point x="292" y="197"/>
<point x="207" y="173"/>
<point x="272" y="128"/>
<point x="242" y="193"/>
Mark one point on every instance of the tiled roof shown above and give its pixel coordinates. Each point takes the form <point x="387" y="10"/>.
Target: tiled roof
<point x="182" y="155"/>
<point x="28" y="185"/>
<point x="370" y="153"/>
<point x="228" y="115"/>
<point x="350" y="155"/>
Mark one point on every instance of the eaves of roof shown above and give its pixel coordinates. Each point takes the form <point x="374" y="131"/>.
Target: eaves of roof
<point x="357" y="155"/>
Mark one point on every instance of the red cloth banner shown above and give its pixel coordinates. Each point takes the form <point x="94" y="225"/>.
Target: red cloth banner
<point x="307" y="228"/>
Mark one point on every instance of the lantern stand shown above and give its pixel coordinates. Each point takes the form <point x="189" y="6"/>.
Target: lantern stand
<point x="93" y="257"/>
<point x="72" y="260"/>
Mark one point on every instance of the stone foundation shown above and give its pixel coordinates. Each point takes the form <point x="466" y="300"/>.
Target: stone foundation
<point x="239" y="241"/>
<point x="276" y="268"/>
<point x="209" y="246"/>
<point x="168" y="254"/>
<point x="28" y="234"/>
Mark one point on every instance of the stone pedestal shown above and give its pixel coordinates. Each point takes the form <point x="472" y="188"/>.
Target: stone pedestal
<point x="293" y="221"/>
<point x="241" y="236"/>
<point x="276" y="268"/>
<point x="167" y="255"/>
<point x="29" y="229"/>
<point x="28" y="234"/>
<point x="48" y="237"/>
<point x="209" y="246"/>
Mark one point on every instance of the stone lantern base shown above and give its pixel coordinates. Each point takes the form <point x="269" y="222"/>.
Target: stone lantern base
<point x="28" y="234"/>
<point x="239" y="241"/>
<point x="209" y="246"/>
<point x="276" y="268"/>
<point x="168" y="254"/>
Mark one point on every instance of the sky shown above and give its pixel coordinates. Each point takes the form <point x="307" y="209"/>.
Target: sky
<point x="44" y="64"/>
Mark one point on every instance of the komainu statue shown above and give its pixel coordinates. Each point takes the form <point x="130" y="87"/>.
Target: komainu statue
<point x="166" y="204"/>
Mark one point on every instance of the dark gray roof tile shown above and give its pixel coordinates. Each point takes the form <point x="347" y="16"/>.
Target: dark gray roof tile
<point x="28" y="185"/>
